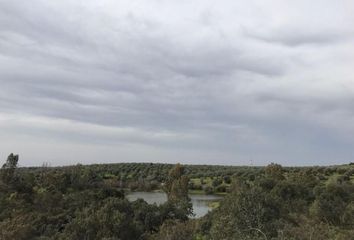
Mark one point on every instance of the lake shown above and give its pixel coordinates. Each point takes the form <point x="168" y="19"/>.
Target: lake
<point x="200" y="202"/>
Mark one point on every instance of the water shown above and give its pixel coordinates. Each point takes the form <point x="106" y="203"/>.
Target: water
<point x="200" y="202"/>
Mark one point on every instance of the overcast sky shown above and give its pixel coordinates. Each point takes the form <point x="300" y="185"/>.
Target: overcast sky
<point x="204" y="82"/>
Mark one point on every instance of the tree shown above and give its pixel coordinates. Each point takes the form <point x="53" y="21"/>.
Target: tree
<point x="274" y="171"/>
<point x="110" y="219"/>
<point x="247" y="213"/>
<point x="333" y="204"/>
<point x="176" y="188"/>
<point x="216" y="182"/>
<point x="8" y="169"/>
<point x="176" y="185"/>
<point x="175" y="230"/>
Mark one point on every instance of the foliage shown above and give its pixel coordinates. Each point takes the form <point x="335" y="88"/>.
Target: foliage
<point x="175" y="230"/>
<point x="281" y="204"/>
<point x="176" y="188"/>
<point x="88" y="202"/>
<point x="8" y="169"/>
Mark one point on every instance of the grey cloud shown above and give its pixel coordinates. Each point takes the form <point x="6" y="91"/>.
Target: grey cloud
<point x="295" y="37"/>
<point x="123" y="68"/>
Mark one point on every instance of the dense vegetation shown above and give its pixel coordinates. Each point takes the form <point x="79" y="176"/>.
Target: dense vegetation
<point x="150" y="176"/>
<point x="88" y="202"/>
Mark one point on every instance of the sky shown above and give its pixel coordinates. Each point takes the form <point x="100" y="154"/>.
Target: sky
<point x="198" y="82"/>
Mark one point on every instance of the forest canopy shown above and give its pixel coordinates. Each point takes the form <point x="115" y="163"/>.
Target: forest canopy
<point x="89" y="202"/>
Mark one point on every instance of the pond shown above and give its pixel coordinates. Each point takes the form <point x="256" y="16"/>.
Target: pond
<point x="200" y="202"/>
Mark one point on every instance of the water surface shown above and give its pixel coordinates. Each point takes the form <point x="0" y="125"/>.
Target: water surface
<point x="200" y="202"/>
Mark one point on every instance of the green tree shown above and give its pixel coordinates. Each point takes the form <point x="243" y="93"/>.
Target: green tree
<point x="332" y="203"/>
<point x="175" y="230"/>
<point x="248" y="213"/>
<point x="274" y="171"/>
<point x="111" y="219"/>
<point x="8" y="169"/>
<point x="176" y="188"/>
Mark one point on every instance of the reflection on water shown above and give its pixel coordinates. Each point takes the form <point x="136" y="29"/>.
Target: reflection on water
<point x="200" y="202"/>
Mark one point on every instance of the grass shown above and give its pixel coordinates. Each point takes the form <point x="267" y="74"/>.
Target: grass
<point x="198" y="181"/>
<point x="214" y="204"/>
<point x="196" y="192"/>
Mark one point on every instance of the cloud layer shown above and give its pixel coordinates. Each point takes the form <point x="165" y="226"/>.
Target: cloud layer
<point x="189" y="81"/>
